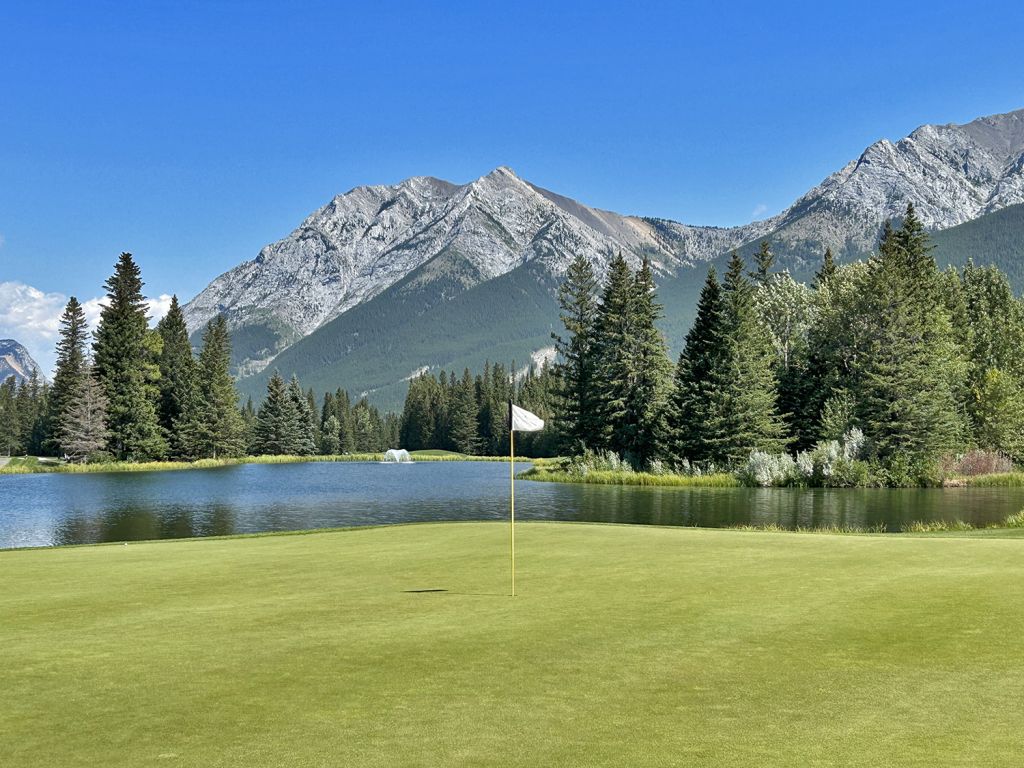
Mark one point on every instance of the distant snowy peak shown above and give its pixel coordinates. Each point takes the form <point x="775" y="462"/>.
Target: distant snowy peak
<point x="17" y="362"/>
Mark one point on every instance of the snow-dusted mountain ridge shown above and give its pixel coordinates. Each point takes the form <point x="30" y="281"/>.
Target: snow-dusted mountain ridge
<point x="371" y="239"/>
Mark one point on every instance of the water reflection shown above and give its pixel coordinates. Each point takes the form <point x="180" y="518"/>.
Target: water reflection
<point x="41" y="510"/>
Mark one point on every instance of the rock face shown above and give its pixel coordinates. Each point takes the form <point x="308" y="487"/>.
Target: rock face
<point x="445" y="238"/>
<point x="370" y="238"/>
<point x="16" y="361"/>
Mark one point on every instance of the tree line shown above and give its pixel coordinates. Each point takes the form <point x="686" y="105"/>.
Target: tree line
<point x="132" y="393"/>
<point x="909" y="362"/>
<point x="469" y="413"/>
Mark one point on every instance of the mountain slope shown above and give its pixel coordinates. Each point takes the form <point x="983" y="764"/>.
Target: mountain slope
<point x="16" y="361"/>
<point x="345" y="299"/>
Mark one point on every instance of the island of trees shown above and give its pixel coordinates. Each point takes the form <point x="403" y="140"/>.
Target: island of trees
<point x="883" y="371"/>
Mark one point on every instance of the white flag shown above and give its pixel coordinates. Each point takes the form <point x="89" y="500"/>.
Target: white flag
<point x="524" y="421"/>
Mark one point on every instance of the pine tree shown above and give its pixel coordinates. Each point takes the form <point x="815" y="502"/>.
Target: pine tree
<point x="695" y="413"/>
<point x="178" y="375"/>
<point x="306" y="443"/>
<point x="277" y="422"/>
<point x="906" y="400"/>
<point x="576" y="297"/>
<point x="10" y="426"/>
<point x="827" y="270"/>
<point x="613" y="359"/>
<point x="750" y="417"/>
<point x="120" y="359"/>
<point x="765" y="260"/>
<point x="211" y="419"/>
<point x="463" y="416"/>
<point x="83" y="425"/>
<point x="647" y="396"/>
<point x="70" y="370"/>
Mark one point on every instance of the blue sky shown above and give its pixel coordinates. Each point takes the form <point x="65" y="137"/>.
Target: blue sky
<point x="193" y="134"/>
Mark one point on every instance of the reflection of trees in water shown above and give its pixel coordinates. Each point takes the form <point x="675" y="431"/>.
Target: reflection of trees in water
<point x="138" y="522"/>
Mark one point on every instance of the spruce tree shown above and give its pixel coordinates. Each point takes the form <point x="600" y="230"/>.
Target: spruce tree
<point x="615" y="374"/>
<point x="276" y="431"/>
<point x="906" y="401"/>
<point x="70" y="370"/>
<point x="306" y="442"/>
<point x="120" y="354"/>
<point x="765" y="260"/>
<point x="576" y="366"/>
<point x="463" y="416"/>
<point x="211" y="418"/>
<point x="178" y="375"/>
<point x="827" y="270"/>
<point x="647" y="397"/>
<point x="750" y="417"/>
<point x="695" y="413"/>
<point x="83" y="425"/>
<point x="10" y="425"/>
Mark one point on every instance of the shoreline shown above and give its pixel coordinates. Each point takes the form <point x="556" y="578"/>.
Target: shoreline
<point x="1002" y="532"/>
<point x="46" y="465"/>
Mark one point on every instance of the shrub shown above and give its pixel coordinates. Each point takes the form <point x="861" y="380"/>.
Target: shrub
<point x="99" y="457"/>
<point x="976" y="462"/>
<point x="1015" y="520"/>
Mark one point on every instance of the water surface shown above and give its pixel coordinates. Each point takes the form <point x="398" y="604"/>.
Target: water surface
<point x="45" y="510"/>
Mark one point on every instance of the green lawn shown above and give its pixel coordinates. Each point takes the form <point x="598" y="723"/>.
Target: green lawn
<point x="627" y="646"/>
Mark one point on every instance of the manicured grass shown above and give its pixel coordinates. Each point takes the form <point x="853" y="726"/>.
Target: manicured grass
<point x="626" y="477"/>
<point x="627" y="646"/>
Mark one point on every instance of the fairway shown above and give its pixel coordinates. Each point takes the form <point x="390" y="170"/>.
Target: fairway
<point x="627" y="646"/>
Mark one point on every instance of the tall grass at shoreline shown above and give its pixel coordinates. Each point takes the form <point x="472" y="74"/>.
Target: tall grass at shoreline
<point x="31" y="465"/>
<point x="627" y="477"/>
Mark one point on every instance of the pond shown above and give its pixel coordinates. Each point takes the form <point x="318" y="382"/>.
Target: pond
<point x="54" y="509"/>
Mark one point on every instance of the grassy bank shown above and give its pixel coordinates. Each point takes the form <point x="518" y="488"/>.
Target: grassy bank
<point x="32" y="464"/>
<point x="627" y="646"/>
<point x="554" y="473"/>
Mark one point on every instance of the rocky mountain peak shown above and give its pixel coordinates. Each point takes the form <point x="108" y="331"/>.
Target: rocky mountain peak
<point x="17" y="362"/>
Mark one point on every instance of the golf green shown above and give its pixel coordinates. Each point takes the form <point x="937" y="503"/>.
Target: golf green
<point x="626" y="646"/>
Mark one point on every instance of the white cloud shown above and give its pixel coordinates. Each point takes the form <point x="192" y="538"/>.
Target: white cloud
<point x="759" y="210"/>
<point x="32" y="317"/>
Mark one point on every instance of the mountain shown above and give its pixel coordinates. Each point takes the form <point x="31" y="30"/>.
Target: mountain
<point x="425" y="231"/>
<point x="16" y="361"/>
<point x="385" y="281"/>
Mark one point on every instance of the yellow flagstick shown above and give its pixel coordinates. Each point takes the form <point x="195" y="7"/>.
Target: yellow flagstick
<point x="512" y="500"/>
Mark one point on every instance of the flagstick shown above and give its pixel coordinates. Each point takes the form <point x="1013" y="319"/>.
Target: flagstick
<point x="512" y="516"/>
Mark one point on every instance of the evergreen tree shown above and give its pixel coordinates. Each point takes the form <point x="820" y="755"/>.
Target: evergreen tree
<point x="647" y="396"/>
<point x="70" y="370"/>
<point x="907" y="402"/>
<point x="211" y="425"/>
<point x="178" y="376"/>
<point x="120" y="359"/>
<point x="576" y="369"/>
<point x="614" y="370"/>
<point x="695" y="413"/>
<point x="277" y="423"/>
<point x="765" y="260"/>
<point x="10" y="424"/>
<point x="827" y="271"/>
<point x="306" y="443"/>
<point x="83" y="424"/>
<point x="750" y="417"/>
<point x="463" y="416"/>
